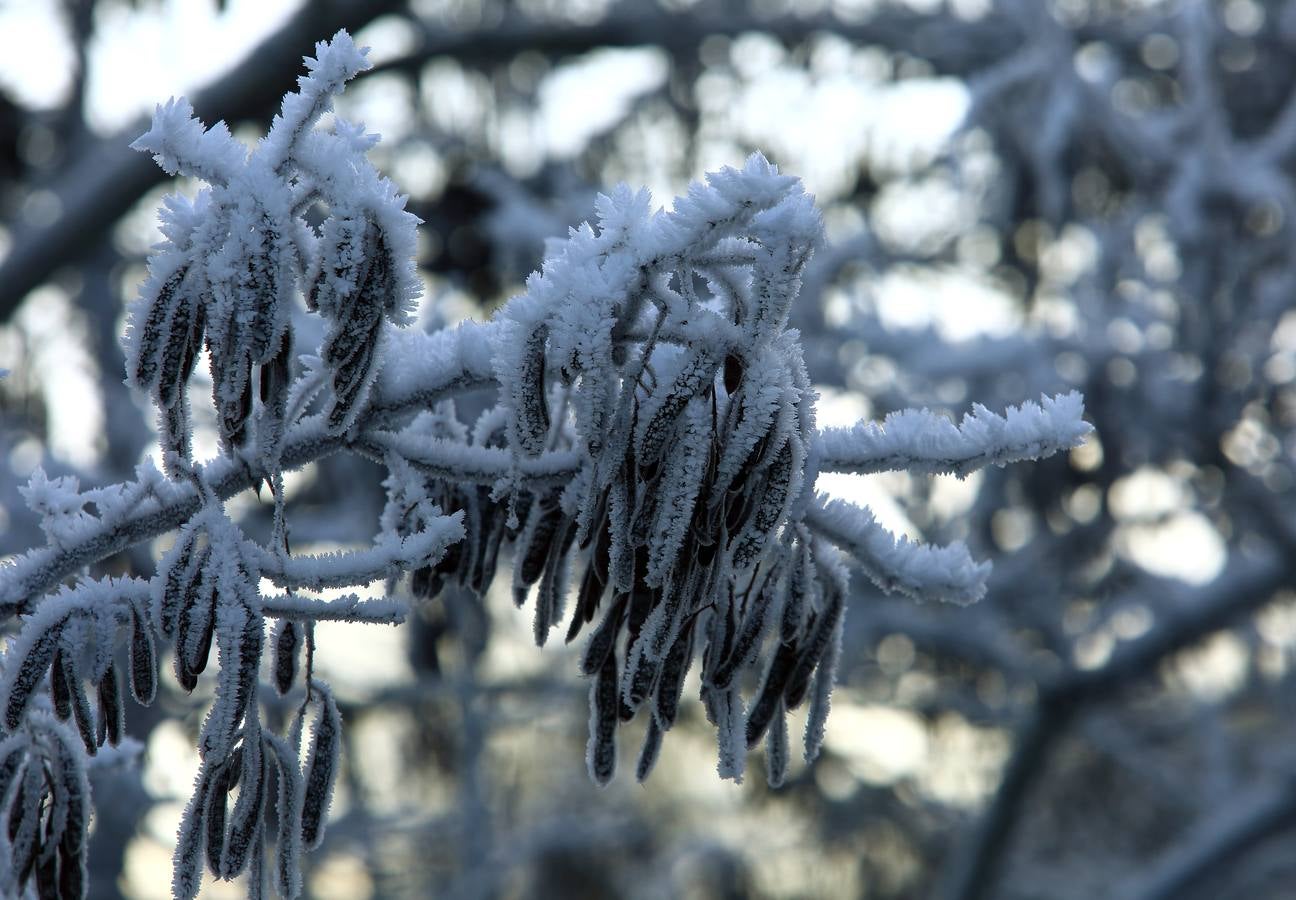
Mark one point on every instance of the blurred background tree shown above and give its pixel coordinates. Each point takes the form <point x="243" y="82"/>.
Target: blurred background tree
<point x="1022" y="197"/>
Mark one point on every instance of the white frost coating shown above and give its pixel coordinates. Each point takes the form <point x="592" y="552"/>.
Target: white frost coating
<point x="920" y="441"/>
<point x="348" y="608"/>
<point x="473" y="463"/>
<point x="181" y="146"/>
<point x="919" y="571"/>
<point x="389" y="557"/>
<point x="421" y="365"/>
<point x="59" y="504"/>
<point x="336" y="62"/>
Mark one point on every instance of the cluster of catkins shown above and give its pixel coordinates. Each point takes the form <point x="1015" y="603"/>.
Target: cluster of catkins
<point x="236" y="255"/>
<point x="651" y="452"/>
<point x="655" y="346"/>
<point x="224" y="280"/>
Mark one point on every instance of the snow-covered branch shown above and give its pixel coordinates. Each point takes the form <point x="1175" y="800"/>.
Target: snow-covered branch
<point x="923" y="442"/>
<point x="918" y="571"/>
<point x="390" y="557"/>
<point x="348" y="608"/>
<point x="646" y="441"/>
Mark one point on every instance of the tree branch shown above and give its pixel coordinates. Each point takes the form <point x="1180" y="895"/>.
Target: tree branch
<point x="106" y="177"/>
<point x="1240" y="589"/>
<point x="1219" y="840"/>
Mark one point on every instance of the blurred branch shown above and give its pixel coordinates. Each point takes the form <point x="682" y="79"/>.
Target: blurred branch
<point x="104" y="177"/>
<point x="954" y="46"/>
<point x="1240" y="589"/>
<point x="1217" y="842"/>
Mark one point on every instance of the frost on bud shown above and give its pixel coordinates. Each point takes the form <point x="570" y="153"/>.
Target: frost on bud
<point x="243" y="836"/>
<point x="27" y="663"/>
<point x="187" y="861"/>
<point x="288" y="811"/>
<point x="321" y="769"/>
<point x="143" y="659"/>
<point x="600" y="755"/>
<point x="112" y="715"/>
<point x="287" y="643"/>
<point x="690" y="413"/>
<point x="45" y="804"/>
<point x="649" y="752"/>
<point x="178" y="573"/>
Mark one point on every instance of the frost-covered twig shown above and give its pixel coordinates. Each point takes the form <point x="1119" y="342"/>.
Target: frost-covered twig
<point x="920" y="441"/>
<point x="349" y="608"/>
<point x="919" y="571"/>
<point x="388" y="558"/>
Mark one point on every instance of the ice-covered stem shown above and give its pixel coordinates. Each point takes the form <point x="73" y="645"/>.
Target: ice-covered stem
<point x="336" y="62"/>
<point x="347" y="608"/>
<point x="181" y="146"/>
<point x="922" y="442"/>
<point x="918" y="571"/>
<point x="390" y="557"/>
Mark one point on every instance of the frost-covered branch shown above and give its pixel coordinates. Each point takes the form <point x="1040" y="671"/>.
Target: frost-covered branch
<point x="649" y="448"/>
<point x="923" y="442"/>
<point x="919" y="571"/>
<point x="348" y="608"/>
<point x="388" y="558"/>
<point x="104" y="179"/>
